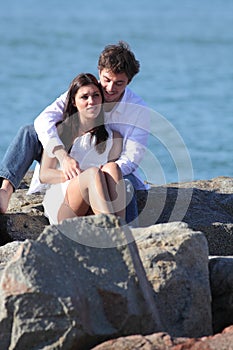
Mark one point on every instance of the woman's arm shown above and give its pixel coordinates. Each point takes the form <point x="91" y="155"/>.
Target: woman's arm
<point x="49" y="173"/>
<point x="117" y="145"/>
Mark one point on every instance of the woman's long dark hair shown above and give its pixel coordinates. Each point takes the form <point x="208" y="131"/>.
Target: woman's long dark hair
<point x="68" y="128"/>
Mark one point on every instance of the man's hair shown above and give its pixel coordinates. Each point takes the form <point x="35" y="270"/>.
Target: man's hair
<point x="119" y="59"/>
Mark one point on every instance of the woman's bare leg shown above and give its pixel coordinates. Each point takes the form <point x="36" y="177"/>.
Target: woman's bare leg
<point x="116" y="187"/>
<point x="88" y="189"/>
<point x="65" y="212"/>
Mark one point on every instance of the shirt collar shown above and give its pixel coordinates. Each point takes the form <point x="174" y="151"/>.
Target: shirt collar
<point x="121" y="105"/>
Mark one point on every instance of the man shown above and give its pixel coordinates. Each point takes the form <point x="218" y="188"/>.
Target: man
<point x="124" y="111"/>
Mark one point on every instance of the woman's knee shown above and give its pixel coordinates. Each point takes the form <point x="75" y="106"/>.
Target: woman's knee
<point x="90" y="175"/>
<point x="110" y="167"/>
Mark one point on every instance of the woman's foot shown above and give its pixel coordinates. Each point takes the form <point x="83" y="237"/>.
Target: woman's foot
<point x="5" y="195"/>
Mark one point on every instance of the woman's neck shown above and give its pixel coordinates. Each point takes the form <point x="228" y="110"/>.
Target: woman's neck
<point x="86" y="126"/>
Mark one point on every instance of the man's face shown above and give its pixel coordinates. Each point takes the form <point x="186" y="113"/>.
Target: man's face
<point x="113" y="85"/>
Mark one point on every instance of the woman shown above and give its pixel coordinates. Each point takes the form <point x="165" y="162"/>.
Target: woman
<point x="99" y="184"/>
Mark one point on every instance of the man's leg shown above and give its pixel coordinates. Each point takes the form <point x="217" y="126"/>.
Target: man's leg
<point x="131" y="216"/>
<point x="23" y="150"/>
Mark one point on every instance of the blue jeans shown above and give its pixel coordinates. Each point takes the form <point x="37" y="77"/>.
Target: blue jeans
<point x="131" y="213"/>
<point x="23" y="150"/>
<point x="132" y="184"/>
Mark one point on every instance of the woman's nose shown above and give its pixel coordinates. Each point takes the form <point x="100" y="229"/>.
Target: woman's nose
<point x="90" y="100"/>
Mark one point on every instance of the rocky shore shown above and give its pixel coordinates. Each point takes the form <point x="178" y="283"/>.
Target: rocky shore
<point x="95" y="283"/>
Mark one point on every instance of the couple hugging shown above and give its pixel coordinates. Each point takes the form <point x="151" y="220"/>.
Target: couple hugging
<point x="89" y="143"/>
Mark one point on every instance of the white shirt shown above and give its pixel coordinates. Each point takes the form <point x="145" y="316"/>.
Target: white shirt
<point x="130" y="117"/>
<point x="84" y="151"/>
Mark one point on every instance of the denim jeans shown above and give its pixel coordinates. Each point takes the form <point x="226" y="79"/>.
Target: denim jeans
<point x="132" y="185"/>
<point x="23" y="150"/>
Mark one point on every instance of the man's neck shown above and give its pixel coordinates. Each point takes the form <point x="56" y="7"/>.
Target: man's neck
<point x="108" y="106"/>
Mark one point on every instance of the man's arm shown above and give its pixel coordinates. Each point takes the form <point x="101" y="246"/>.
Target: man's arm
<point x="131" y="156"/>
<point x="45" y="124"/>
<point x="135" y="132"/>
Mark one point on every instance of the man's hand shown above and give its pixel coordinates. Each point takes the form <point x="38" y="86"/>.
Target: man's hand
<point x="69" y="165"/>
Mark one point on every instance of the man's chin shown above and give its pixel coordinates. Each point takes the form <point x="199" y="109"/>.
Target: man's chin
<point x="109" y="98"/>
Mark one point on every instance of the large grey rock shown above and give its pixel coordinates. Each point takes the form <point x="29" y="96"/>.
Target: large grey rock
<point x="62" y="293"/>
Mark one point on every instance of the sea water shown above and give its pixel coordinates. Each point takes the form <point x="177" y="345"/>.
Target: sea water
<point x="185" y="48"/>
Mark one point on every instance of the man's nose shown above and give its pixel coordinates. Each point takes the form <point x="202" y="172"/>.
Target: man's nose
<point x="110" y="86"/>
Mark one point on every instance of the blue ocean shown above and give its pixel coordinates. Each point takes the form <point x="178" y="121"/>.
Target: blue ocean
<point x="185" y="48"/>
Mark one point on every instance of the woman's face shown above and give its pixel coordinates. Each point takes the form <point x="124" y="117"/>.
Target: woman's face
<point x="88" y="101"/>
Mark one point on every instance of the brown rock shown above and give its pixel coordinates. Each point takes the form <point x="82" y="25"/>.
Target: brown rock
<point x="163" y="341"/>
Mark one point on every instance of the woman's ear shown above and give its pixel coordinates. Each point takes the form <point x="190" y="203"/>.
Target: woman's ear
<point x="73" y="102"/>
